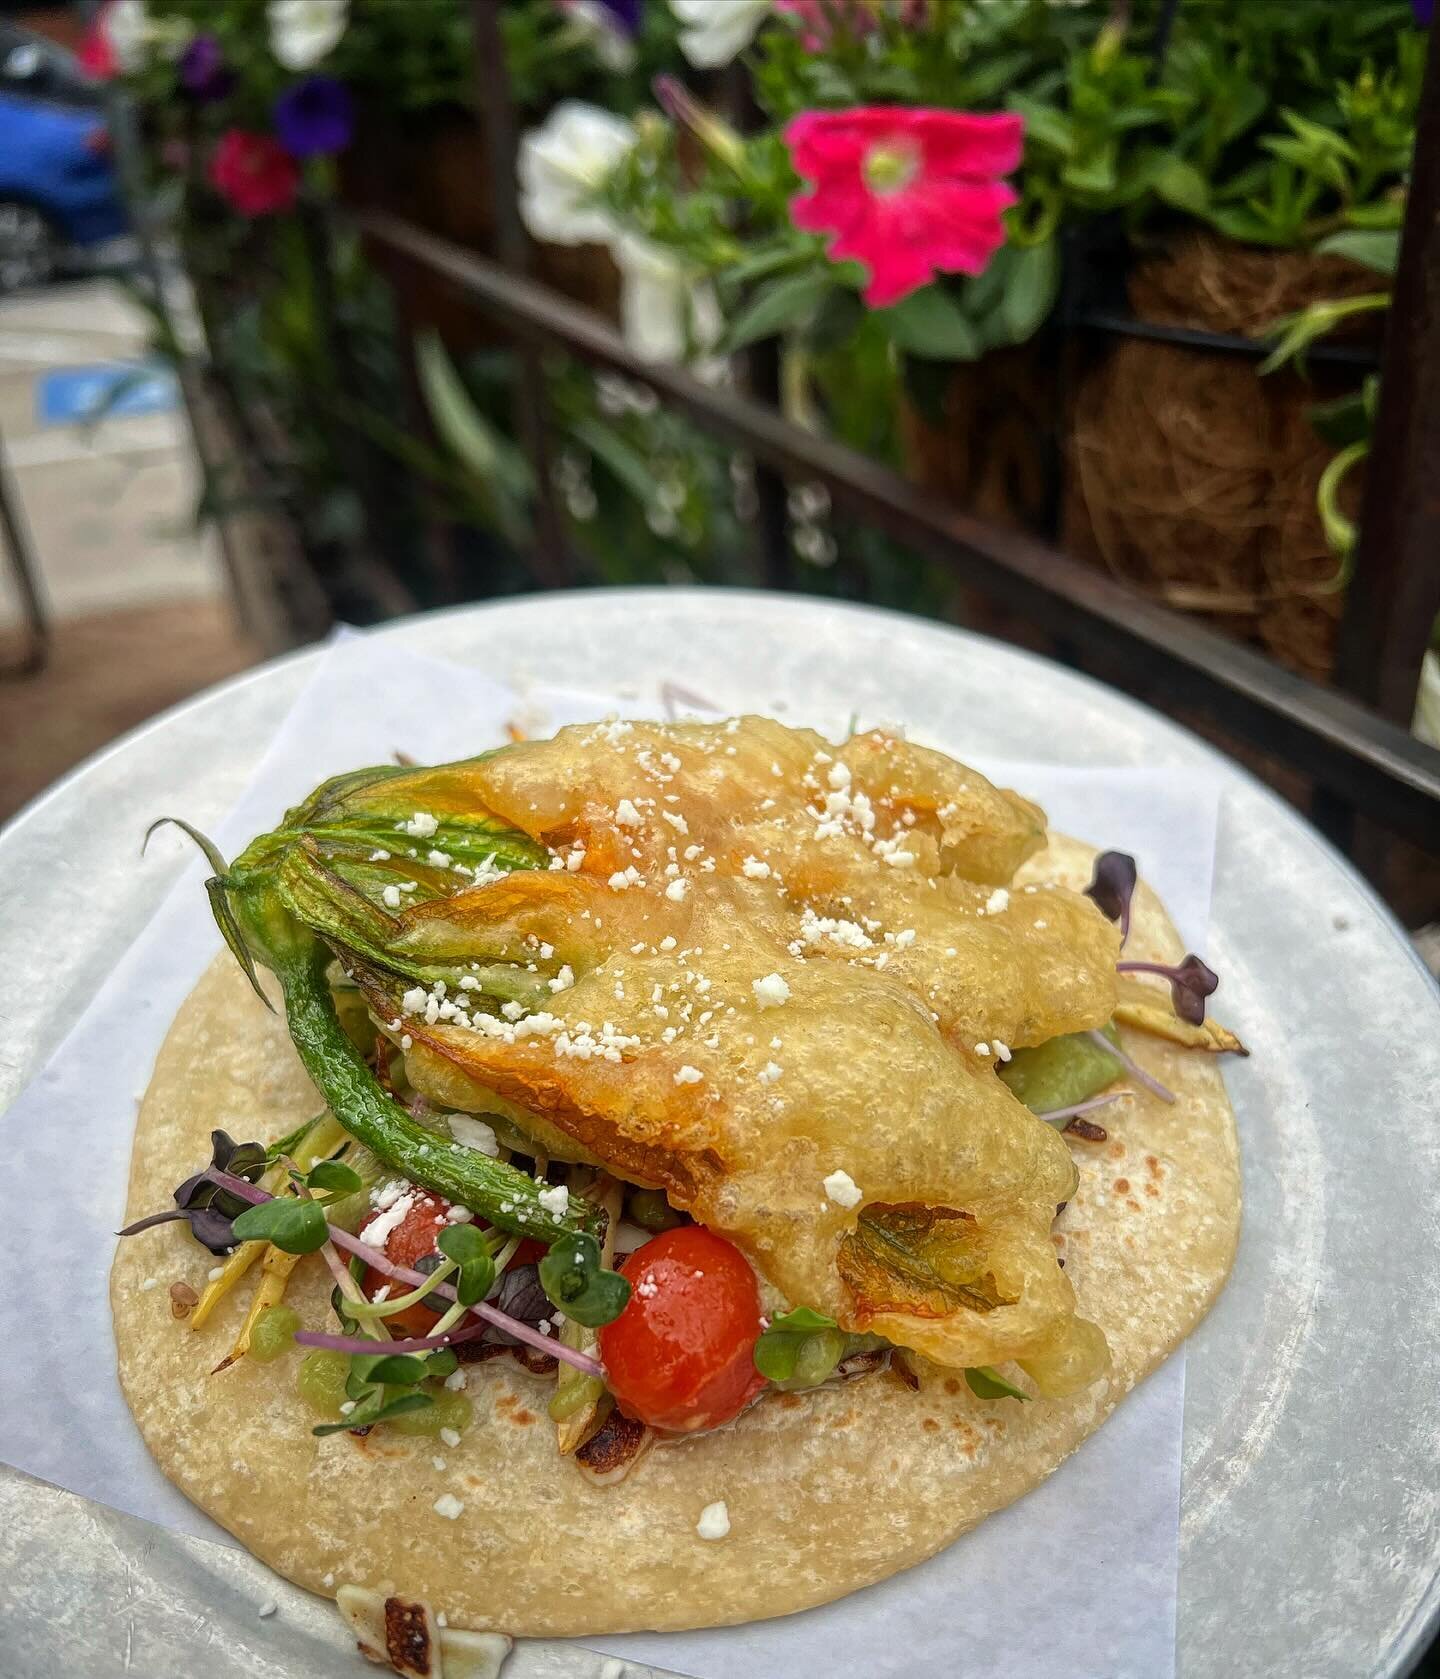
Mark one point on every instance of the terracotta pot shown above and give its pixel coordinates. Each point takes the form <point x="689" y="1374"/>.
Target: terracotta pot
<point x="1192" y="477"/>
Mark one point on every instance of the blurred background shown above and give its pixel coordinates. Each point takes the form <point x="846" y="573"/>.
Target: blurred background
<point x="1104" y="326"/>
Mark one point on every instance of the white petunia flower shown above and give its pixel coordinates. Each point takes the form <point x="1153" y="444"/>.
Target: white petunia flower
<point x="130" y="31"/>
<point x="561" y="165"/>
<point x="715" y="31"/>
<point x="302" y="32"/>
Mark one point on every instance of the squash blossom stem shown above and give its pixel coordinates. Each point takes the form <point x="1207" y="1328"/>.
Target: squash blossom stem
<point x="500" y="1193"/>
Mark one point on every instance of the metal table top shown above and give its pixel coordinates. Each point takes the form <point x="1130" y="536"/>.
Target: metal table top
<point x="1310" y="1538"/>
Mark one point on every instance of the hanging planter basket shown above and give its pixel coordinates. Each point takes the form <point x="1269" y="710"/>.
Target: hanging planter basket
<point x="1193" y="478"/>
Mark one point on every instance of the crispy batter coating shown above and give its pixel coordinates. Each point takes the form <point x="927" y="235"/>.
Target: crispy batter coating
<point x="772" y="960"/>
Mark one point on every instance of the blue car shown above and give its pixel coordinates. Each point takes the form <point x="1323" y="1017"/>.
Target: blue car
<point x="60" y="204"/>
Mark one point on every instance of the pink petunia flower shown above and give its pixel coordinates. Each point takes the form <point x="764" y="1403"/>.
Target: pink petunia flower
<point x="254" y="173"/>
<point x="909" y="193"/>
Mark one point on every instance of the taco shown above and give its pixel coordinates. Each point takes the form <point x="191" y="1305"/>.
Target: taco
<point x="691" y="1172"/>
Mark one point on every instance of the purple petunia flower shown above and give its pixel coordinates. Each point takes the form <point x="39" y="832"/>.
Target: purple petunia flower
<point x="1424" y="12"/>
<point x="203" y="72"/>
<point x="627" y="14"/>
<point x="315" y="118"/>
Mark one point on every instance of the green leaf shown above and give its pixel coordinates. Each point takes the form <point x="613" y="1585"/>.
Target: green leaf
<point x="576" y="1281"/>
<point x="986" y="1383"/>
<point x="398" y="1369"/>
<point x="292" y="1225"/>
<point x="1034" y="286"/>
<point x="1378" y="250"/>
<point x="467" y="1247"/>
<point x="626" y="463"/>
<point x="931" y="324"/>
<point x="1343" y="421"/>
<point x="334" y="1174"/>
<point x="1044" y="126"/>
<point x="1183" y="187"/>
<point x="466" y="431"/>
<point x="778" y="307"/>
<point x="802" y="1318"/>
<point x="365" y="1416"/>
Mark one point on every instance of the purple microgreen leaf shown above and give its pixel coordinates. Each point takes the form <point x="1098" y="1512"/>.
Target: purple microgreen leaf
<point x="211" y="1199"/>
<point x="1191" y="982"/>
<point x="360" y="1345"/>
<point x="1136" y="1071"/>
<point x="1112" y="886"/>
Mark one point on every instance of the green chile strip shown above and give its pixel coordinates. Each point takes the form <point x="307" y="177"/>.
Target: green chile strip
<point x="502" y="1194"/>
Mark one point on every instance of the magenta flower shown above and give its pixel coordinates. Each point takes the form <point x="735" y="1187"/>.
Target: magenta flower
<point x="315" y="118"/>
<point x="908" y="193"/>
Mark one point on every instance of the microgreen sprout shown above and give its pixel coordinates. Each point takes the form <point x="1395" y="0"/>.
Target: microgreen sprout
<point x="285" y="1221"/>
<point x="209" y="1207"/>
<point x="575" y="1279"/>
<point x="1112" y="886"/>
<point x="1062" y="1116"/>
<point x="464" y="1244"/>
<point x="987" y="1383"/>
<point x="1191" y="982"/>
<point x="780" y="1349"/>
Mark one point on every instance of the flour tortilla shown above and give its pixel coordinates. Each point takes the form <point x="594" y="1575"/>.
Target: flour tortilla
<point x="826" y="1492"/>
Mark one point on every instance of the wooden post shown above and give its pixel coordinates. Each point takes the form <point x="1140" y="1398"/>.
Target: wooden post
<point x="1395" y="589"/>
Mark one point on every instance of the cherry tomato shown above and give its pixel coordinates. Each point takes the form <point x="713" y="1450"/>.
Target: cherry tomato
<point x="408" y="1242"/>
<point x="681" y="1354"/>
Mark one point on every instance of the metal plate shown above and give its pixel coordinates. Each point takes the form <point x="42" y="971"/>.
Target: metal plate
<point x="1310" y="1538"/>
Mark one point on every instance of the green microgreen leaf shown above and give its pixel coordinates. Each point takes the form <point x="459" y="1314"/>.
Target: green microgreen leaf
<point x="396" y="1369"/>
<point x="776" y="1353"/>
<point x="575" y="1279"/>
<point x="334" y="1174"/>
<point x="366" y="1415"/>
<point x="292" y="1225"/>
<point x="467" y="1247"/>
<point x="987" y="1383"/>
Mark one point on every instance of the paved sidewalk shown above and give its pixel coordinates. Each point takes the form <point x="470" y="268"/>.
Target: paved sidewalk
<point x="110" y="507"/>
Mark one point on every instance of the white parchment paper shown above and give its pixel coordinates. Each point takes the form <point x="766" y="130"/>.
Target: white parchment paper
<point x="1084" y="1565"/>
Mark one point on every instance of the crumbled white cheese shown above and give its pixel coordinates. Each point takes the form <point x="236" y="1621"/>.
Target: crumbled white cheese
<point x="437" y="1463"/>
<point x="676" y="820"/>
<point x="564" y="980"/>
<point x="688" y="1075"/>
<point x="842" y="1189"/>
<point x="329" y="1580"/>
<point x="668" y="942"/>
<point x="555" y="1199"/>
<point x="415" y="999"/>
<point x="148" y="1284"/>
<point x="982" y="1049"/>
<point x="714" y="1521"/>
<point x="450" y="1437"/>
<point x="998" y="900"/>
<point x="379" y="856"/>
<point x="624" y="878"/>
<point x="215" y="1273"/>
<point x="473" y="1133"/>
<point x="755" y="868"/>
<point x="1002" y="1050"/>
<point x="770" y="1072"/>
<point x="455" y="1381"/>
<point x="771" y="991"/>
<point x="449" y="1506"/>
<point x="439" y="859"/>
<point x="839" y="775"/>
<point x="391" y="895"/>
<point x="627" y="815"/>
<point x="346" y="1407"/>
<point x="676" y="891"/>
<point x="268" y="1608"/>
<point x="379" y="1230"/>
<point x="420" y="826"/>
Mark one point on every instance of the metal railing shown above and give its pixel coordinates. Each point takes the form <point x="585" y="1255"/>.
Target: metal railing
<point x="1350" y="740"/>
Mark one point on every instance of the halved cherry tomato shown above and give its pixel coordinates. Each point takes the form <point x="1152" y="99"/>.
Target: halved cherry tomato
<point x="408" y="1242"/>
<point x="681" y="1354"/>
